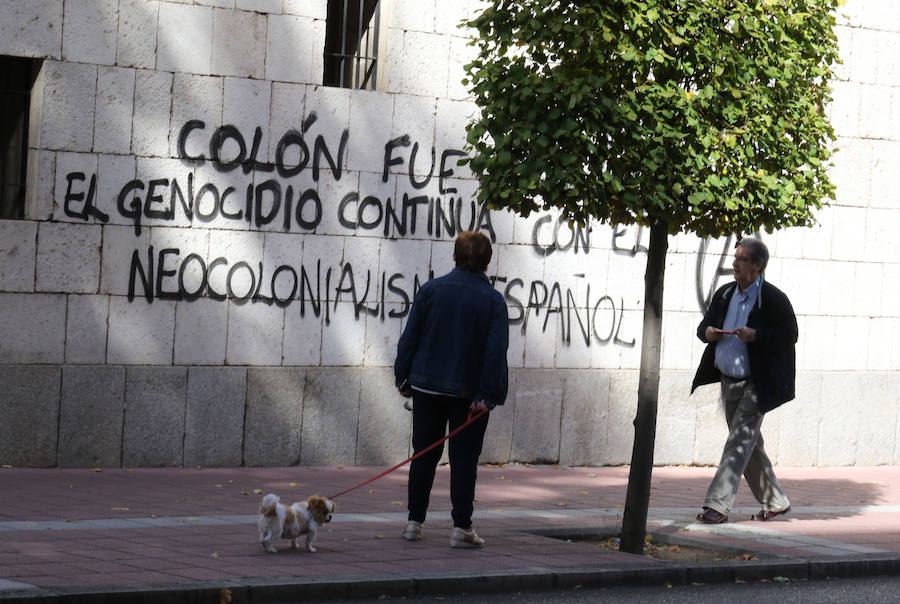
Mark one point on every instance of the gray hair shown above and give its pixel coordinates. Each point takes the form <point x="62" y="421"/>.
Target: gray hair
<point x="758" y="250"/>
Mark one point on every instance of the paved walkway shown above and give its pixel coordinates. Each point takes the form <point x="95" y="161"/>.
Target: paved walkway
<point x="175" y="534"/>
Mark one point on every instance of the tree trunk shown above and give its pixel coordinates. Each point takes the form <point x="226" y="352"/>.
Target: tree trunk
<point x="637" y="499"/>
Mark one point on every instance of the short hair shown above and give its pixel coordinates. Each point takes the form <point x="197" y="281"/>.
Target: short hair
<point x="759" y="253"/>
<point x="472" y="251"/>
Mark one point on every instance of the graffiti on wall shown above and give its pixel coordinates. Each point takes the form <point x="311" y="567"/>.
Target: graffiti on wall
<point x="275" y="200"/>
<point x="270" y="199"/>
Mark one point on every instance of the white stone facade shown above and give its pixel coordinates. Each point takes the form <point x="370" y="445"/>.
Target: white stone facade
<point x="219" y="253"/>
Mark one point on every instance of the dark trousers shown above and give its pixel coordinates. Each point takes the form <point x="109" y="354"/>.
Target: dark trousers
<point x="431" y="415"/>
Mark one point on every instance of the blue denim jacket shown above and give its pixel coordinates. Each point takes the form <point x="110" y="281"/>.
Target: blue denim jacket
<point x="455" y="339"/>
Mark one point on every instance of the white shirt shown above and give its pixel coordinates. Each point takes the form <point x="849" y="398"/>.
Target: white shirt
<point x="731" y="351"/>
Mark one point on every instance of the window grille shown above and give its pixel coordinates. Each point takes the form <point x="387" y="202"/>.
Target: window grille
<point x="16" y="79"/>
<point x="351" y="43"/>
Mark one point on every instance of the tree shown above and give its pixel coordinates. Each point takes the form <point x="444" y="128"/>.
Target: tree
<point x="705" y="116"/>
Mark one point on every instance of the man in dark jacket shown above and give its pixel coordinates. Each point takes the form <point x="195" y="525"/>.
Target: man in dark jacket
<point x="451" y="359"/>
<point x="750" y="329"/>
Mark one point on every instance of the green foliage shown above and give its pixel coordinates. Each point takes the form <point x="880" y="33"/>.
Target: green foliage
<point x="705" y="114"/>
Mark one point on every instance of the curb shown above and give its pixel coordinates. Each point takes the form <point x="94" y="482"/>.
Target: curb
<point x="433" y="584"/>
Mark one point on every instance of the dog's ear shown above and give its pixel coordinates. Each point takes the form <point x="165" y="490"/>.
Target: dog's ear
<point x="318" y="508"/>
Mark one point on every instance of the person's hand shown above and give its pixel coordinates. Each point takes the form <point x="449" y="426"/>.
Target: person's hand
<point x="713" y="334"/>
<point x="478" y="406"/>
<point x="747" y="334"/>
<point x="406" y="393"/>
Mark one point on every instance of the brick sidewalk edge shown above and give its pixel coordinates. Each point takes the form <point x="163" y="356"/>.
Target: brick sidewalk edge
<point x="290" y="589"/>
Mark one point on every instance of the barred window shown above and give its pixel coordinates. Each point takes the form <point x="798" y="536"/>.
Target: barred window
<point x="17" y="76"/>
<point x="352" y="37"/>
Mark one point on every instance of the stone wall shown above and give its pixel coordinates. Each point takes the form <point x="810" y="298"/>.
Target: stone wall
<point x="219" y="254"/>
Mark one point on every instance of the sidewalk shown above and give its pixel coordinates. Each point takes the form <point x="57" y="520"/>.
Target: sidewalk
<point x="179" y="535"/>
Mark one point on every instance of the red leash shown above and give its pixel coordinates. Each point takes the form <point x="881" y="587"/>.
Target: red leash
<point x="471" y="419"/>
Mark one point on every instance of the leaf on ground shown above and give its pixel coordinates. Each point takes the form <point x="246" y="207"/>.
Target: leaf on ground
<point x="225" y="596"/>
<point x="562" y="505"/>
<point x="396" y="503"/>
<point x="292" y="484"/>
<point x="214" y="555"/>
<point x="96" y="470"/>
<point x="257" y="491"/>
<point x="592" y="476"/>
<point x="582" y="492"/>
<point x="340" y="467"/>
<point x="119" y="508"/>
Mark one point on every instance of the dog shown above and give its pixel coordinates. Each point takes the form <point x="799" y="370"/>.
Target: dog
<point x="277" y="520"/>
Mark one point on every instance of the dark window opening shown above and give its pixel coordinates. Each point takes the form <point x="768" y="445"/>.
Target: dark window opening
<point x="351" y="43"/>
<point x="17" y="76"/>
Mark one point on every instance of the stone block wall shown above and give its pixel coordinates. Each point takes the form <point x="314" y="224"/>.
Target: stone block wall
<point x="219" y="253"/>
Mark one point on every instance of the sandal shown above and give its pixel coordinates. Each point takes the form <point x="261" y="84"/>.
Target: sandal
<point x="711" y="516"/>
<point x="766" y="515"/>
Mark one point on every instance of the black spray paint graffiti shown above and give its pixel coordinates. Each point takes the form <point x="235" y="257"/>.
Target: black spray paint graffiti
<point x="293" y="207"/>
<point x="721" y="268"/>
<point x="552" y="301"/>
<point x="275" y="200"/>
<point x="296" y="207"/>
<point x="579" y="238"/>
<point x="166" y="274"/>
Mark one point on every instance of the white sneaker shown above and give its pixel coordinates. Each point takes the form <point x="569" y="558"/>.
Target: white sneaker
<point x="463" y="538"/>
<point x="413" y="531"/>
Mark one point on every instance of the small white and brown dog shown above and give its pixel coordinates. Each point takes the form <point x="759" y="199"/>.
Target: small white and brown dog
<point x="277" y="520"/>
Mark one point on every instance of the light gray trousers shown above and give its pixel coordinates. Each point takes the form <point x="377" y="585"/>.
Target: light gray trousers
<point x="744" y="453"/>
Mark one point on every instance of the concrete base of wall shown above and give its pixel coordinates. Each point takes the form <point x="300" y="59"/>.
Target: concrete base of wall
<point x="136" y="416"/>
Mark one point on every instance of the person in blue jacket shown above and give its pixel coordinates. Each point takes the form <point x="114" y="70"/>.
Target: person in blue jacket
<point x="750" y="330"/>
<point x="451" y="359"/>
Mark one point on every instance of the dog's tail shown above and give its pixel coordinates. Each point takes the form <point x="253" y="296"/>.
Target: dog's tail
<point x="267" y="507"/>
